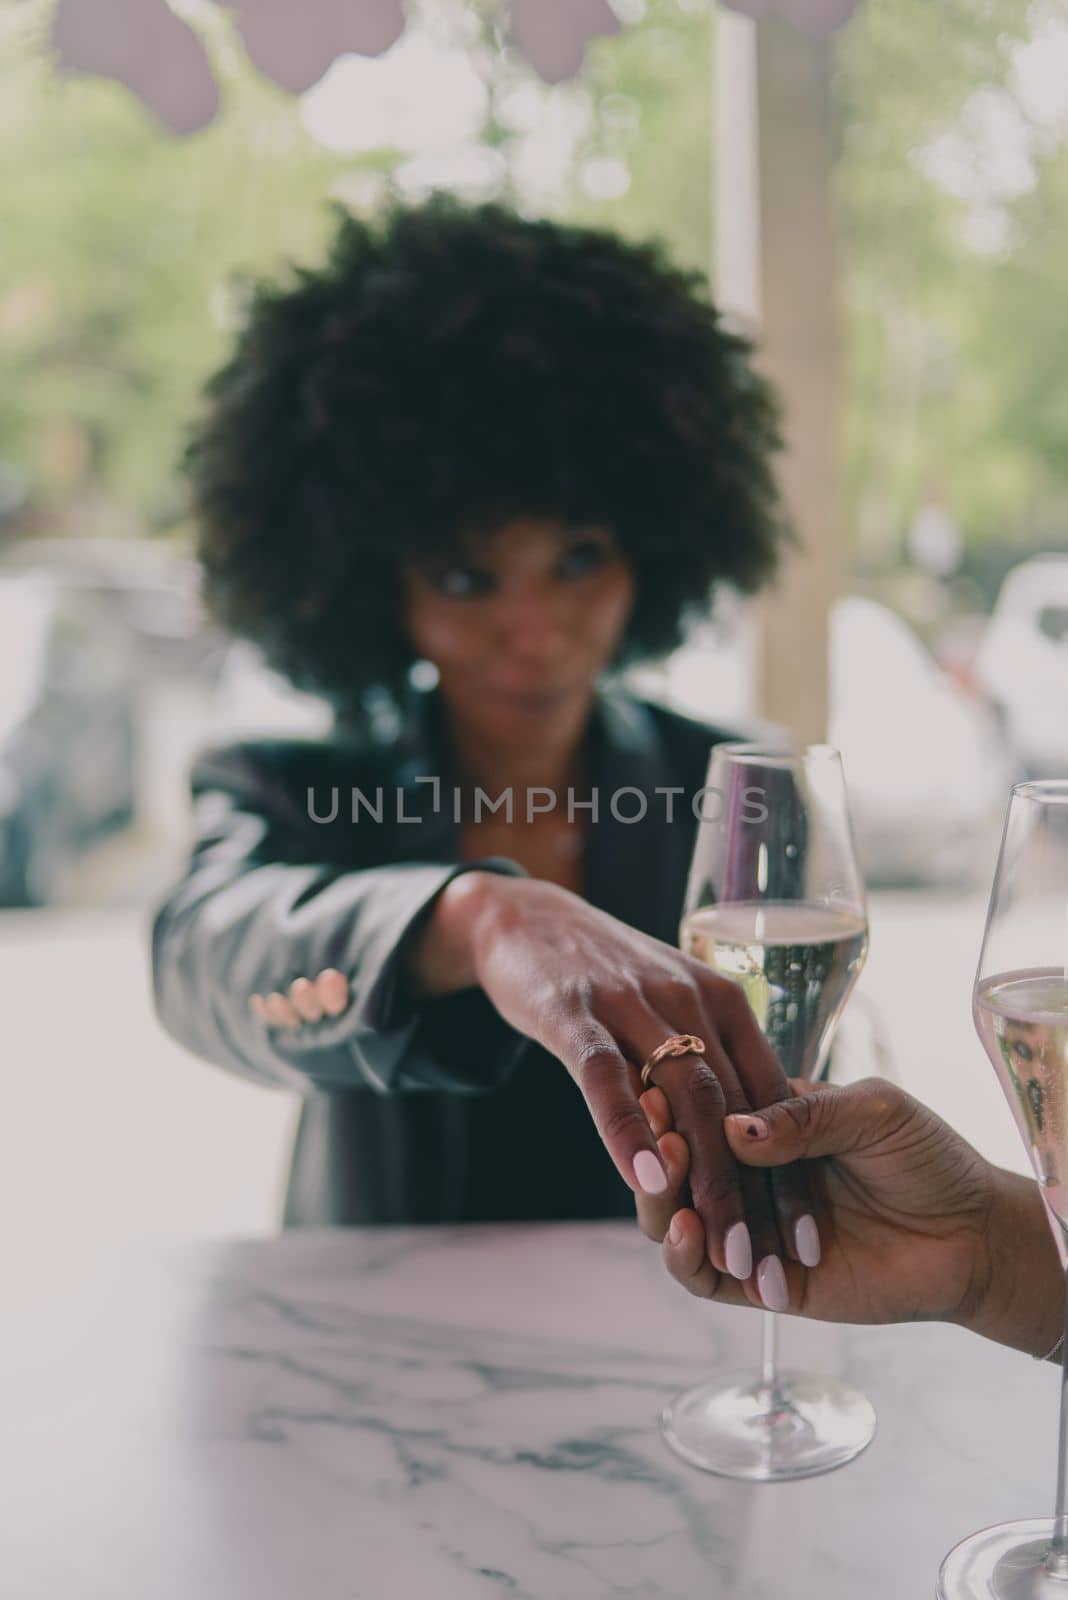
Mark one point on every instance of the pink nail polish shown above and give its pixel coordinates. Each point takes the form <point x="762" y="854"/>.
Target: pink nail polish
<point x="807" y="1240"/>
<point x="751" y="1127"/>
<point x="771" y="1281"/>
<point x="738" y="1249"/>
<point x="675" y="1230"/>
<point x="649" y="1173"/>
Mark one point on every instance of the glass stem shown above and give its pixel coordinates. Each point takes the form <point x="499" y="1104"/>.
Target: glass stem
<point x="1057" y="1559"/>
<point x="769" y="1354"/>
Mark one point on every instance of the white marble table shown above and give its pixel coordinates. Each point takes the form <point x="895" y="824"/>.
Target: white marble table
<point x="464" y="1413"/>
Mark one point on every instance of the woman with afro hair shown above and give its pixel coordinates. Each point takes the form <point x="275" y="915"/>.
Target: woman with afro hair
<point x="503" y="457"/>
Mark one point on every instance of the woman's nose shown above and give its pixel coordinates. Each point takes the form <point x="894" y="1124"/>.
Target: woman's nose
<point x="534" y="625"/>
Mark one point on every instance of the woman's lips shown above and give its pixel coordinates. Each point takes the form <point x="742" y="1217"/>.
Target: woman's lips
<point x="533" y="701"/>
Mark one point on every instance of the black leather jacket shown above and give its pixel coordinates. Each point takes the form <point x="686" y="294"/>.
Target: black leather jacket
<point x="413" y="1112"/>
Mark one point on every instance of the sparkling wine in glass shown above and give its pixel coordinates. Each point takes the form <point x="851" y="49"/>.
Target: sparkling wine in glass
<point x="775" y="901"/>
<point x="1020" y="1006"/>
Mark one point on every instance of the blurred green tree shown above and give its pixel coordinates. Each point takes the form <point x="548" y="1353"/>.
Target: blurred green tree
<point x="938" y="264"/>
<point x="125" y="249"/>
<point x="119" y="242"/>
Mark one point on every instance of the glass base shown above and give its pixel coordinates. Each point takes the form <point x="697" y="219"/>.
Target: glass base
<point x="1004" y="1563"/>
<point x="740" y="1427"/>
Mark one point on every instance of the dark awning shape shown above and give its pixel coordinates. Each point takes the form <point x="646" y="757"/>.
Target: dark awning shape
<point x="149" y="48"/>
<point x="294" y="44"/>
<point x="143" y="44"/>
<point x="554" y="34"/>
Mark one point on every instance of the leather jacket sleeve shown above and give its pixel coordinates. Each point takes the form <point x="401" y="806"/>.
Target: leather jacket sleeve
<point x="267" y="897"/>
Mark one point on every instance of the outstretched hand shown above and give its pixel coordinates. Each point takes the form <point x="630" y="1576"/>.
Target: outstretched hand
<point x="601" y="996"/>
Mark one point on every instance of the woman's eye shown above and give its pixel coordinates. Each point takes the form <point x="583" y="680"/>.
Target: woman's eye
<point x="461" y="583"/>
<point x="584" y="557"/>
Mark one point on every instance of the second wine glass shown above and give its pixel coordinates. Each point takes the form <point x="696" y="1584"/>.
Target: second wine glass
<point x="775" y="901"/>
<point x="1020" y="1008"/>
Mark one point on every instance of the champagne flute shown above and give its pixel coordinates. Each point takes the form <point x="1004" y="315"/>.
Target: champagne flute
<point x="775" y="901"/>
<point x="1020" y="1007"/>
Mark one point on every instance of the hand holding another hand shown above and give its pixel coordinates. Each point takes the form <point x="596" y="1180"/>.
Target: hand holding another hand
<point x="601" y="996"/>
<point x="914" y="1223"/>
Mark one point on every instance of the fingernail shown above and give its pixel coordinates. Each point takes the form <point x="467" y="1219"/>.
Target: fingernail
<point x="807" y="1240"/>
<point x="649" y="1173"/>
<point x="751" y="1127"/>
<point x="675" y="1229"/>
<point x="738" y="1248"/>
<point x="771" y="1281"/>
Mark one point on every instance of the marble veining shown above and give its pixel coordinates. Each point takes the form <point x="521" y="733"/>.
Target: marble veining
<point x="460" y="1413"/>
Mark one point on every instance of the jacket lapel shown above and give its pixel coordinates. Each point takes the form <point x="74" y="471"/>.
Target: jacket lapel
<point x="635" y="870"/>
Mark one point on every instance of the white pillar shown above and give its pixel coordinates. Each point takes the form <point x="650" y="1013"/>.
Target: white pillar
<point x="736" y="257"/>
<point x="775" y="274"/>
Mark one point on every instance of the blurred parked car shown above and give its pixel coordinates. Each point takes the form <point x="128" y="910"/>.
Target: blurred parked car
<point x="926" y="766"/>
<point x="925" y="760"/>
<point x="67" y="735"/>
<point x="1022" y="663"/>
<point x="148" y="588"/>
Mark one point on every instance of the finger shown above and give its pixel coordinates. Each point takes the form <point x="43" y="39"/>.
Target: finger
<point x="305" y="999"/>
<point x="833" y="1120"/>
<point x="757" y="1197"/>
<point x="798" y="1205"/>
<point x="686" y="1258"/>
<point x="333" y="987"/>
<point x="607" y="1082"/>
<point x="654" y="1102"/>
<point x="258" y="1006"/>
<point x="764" y="1083"/>
<point x="656" y="1211"/>
<point x="685" y="1253"/>
<point x="280" y="1012"/>
<point x="737" y="1213"/>
<point x="654" y="1215"/>
<point x="767" y="1283"/>
<point x="697" y="1106"/>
